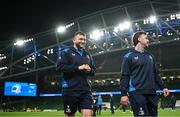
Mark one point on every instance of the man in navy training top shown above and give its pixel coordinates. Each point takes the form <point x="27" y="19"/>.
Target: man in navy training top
<point x="140" y="78"/>
<point x="76" y="65"/>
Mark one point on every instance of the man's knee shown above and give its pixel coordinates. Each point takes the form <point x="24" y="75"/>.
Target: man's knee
<point x="86" y="112"/>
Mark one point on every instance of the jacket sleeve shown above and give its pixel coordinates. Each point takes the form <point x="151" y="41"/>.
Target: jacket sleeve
<point x="92" y="66"/>
<point x="125" y="76"/>
<point x="64" y="64"/>
<point x="158" y="79"/>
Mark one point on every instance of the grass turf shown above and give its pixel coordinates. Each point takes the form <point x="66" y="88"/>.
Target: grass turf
<point x="161" y="113"/>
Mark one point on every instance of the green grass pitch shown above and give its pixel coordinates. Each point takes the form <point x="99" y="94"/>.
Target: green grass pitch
<point x="118" y="113"/>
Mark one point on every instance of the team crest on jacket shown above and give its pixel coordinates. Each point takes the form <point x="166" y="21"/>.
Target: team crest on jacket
<point x="136" y="57"/>
<point x="73" y="54"/>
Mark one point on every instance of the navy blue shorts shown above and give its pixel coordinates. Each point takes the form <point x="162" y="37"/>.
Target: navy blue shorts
<point x="81" y="100"/>
<point x="144" y="105"/>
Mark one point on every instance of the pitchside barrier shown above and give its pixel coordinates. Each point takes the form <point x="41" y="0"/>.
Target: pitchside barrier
<point x="108" y="93"/>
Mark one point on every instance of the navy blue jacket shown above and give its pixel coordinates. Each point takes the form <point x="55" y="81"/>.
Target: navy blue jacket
<point x="139" y="74"/>
<point x="72" y="78"/>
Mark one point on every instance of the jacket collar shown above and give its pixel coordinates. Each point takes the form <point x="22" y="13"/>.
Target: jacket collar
<point x="75" y="50"/>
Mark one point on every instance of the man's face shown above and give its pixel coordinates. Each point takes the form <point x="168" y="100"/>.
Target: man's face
<point x="143" y="39"/>
<point x="79" y="41"/>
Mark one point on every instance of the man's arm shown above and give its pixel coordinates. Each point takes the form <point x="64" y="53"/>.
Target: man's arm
<point x="64" y="64"/>
<point x="124" y="81"/>
<point x="125" y="76"/>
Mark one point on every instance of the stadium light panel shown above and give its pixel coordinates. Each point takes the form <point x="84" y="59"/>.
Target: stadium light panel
<point x="112" y="44"/>
<point x="152" y="19"/>
<point x="123" y="26"/>
<point x="104" y="44"/>
<point x="96" y="34"/>
<point x="171" y="77"/>
<point x="69" y="25"/>
<point x="94" y="47"/>
<point x="178" y="16"/>
<point x="61" y="29"/>
<point x="172" y="17"/>
<point x="116" y="29"/>
<point x="33" y="56"/>
<point x="2" y="68"/>
<point x="48" y="51"/>
<point x="51" y="51"/>
<point x="127" y="25"/>
<point x="19" y="43"/>
<point x="2" y="56"/>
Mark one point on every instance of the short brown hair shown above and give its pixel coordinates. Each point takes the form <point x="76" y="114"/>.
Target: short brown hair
<point x="79" y="33"/>
<point x="136" y="36"/>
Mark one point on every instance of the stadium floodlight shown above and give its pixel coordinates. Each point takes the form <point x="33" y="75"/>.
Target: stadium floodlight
<point x="69" y="25"/>
<point x="164" y="77"/>
<point x="123" y="26"/>
<point x="2" y="68"/>
<point x="61" y="29"/>
<point x="19" y="43"/>
<point x="116" y="29"/>
<point x="127" y="25"/>
<point x="94" y="46"/>
<point x="173" y="17"/>
<point x="104" y="44"/>
<point x="112" y="44"/>
<point x="33" y="57"/>
<point x="96" y="34"/>
<point x="178" y="16"/>
<point x="152" y="19"/>
<point x="171" y="77"/>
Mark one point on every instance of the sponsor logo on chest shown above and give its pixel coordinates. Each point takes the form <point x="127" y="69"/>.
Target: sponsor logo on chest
<point x="150" y="57"/>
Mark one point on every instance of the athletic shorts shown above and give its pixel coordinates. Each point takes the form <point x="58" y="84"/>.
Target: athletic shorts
<point x="144" y="105"/>
<point x="82" y="100"/>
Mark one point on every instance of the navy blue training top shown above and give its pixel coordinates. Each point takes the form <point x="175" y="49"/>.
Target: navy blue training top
<point x="72" y="78"/>
<point x="139" y="74"/>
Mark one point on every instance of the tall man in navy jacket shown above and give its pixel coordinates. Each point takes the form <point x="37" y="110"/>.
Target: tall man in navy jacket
<point x="140" y="78"/>
<point x="76" y="65"/>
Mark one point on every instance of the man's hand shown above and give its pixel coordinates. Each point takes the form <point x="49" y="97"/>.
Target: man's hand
<point x="165" y="92"/>
<point x="81" y="67"/>
<point x="124" y="100"/>
<point x="85" y="68"/>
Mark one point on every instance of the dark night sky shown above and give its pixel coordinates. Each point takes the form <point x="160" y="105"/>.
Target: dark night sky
<point x="28" y="17"/>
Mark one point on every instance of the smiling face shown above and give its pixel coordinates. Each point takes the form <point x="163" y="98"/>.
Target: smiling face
<point x="79" y="41"/>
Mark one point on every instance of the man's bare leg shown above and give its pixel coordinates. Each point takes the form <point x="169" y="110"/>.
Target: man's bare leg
<point x="86" y="112"/>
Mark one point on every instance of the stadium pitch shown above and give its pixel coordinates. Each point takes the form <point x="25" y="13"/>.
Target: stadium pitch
<point x="161" y="113"/>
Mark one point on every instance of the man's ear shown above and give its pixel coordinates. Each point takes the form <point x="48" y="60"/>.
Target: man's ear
<point x="73" y="39"/>
<point x="138" y="39"/>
